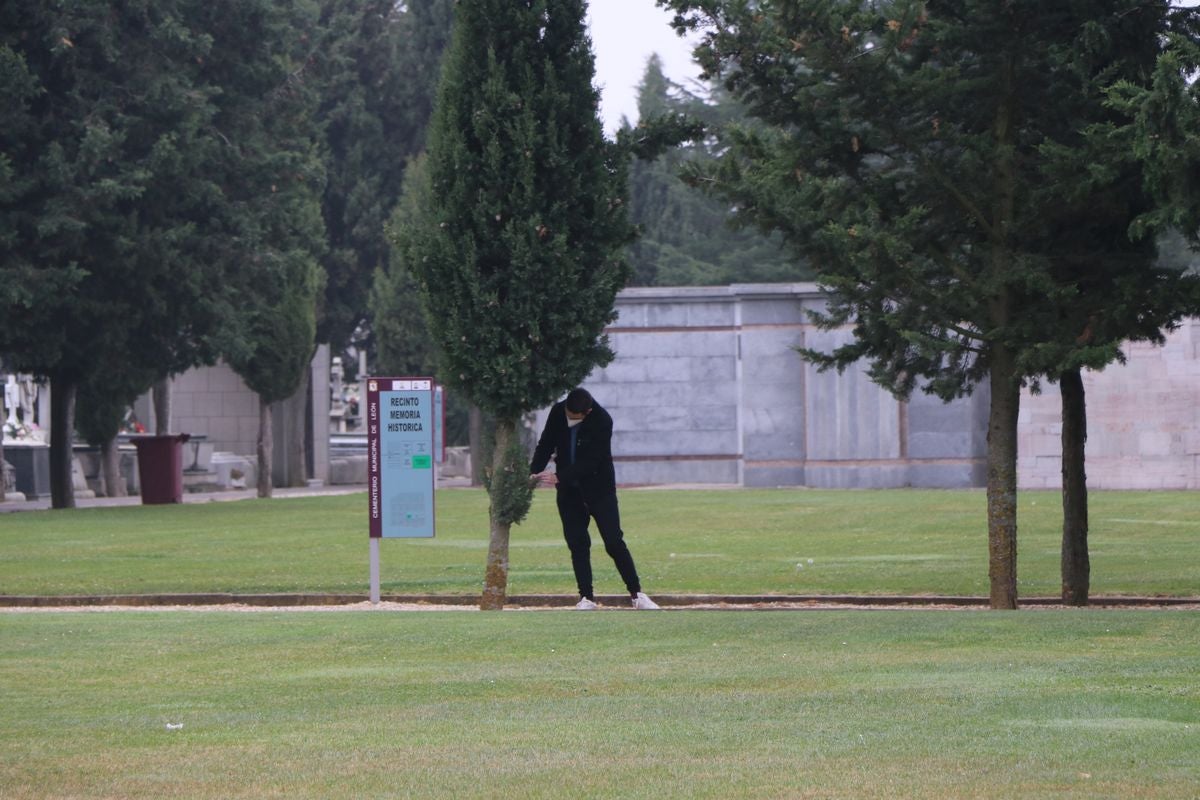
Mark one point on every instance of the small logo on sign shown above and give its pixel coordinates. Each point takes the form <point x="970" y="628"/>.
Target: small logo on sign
<point x="372" y="386"/>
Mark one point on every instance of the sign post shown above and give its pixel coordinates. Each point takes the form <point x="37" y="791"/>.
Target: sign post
<point x="400" y="472"/>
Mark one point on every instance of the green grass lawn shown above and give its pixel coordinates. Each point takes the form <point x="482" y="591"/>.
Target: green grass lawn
<point x="680" y="704"/>
<point x="720" y="542"/>
<point x="559" y="704"/>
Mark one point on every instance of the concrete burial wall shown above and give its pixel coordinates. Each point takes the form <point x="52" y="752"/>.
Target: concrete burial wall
<point x="214" y="402"/>
<point x="1143" y="421"/>
<point x="707" y="387"/>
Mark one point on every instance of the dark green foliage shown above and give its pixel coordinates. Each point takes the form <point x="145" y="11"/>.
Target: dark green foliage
<point x="1109" y="213"/>
<point x="271" y="181"/>
<point x="403" y="345"/>
<point x="155" y="155"/>
<point x="378" y="65"/>
<point x="887" y="161"/>
<point x="1103" y="219"/>
<point x="105" y="139"/>
<point x="104" y="398"/>
<point x="159" y="195"/>
<point x="510" y="490"/>
<point x="108" y="135"/>
<point x="399" y="330"/>
<point x="276" y="332"/>
<point x="1159" y="127"/>
<point x="686" y="238"/>
<point x="401" y="335"/>
<point x="932" y="161"/>
<point x="519" y="253"/>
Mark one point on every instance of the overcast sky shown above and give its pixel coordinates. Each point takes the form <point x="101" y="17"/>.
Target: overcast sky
<point x="624" y="34"/>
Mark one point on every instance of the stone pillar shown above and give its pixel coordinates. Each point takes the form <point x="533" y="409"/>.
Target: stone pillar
<point x="288" y="421"/>
<point x="162" y="406"/>
<point x="301" y="422"/>
<point x="319" y="423"/>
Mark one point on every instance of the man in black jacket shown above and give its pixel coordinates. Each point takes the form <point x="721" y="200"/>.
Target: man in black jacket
<point x="578" y="433"/>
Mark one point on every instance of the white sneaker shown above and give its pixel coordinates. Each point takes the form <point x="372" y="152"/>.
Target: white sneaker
<point x="643" y="603"/>
<point x="586" y="605"/>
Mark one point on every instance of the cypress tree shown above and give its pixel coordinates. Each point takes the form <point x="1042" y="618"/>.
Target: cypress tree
<point x="159" y="200"/>
<point x="398" y="325"/>
<point x="274" y="181"/>
<point x="685" y="237"/>
<point x="376" y="64"/>
<point x="518" y="254"/>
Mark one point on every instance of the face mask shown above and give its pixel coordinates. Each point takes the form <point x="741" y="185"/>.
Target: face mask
<point x="571" y="423"/>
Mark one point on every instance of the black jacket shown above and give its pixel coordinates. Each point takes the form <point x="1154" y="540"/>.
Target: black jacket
<point x="593" y="469"/>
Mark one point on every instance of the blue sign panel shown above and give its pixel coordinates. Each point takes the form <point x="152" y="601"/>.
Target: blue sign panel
<point x="400" y="454"/>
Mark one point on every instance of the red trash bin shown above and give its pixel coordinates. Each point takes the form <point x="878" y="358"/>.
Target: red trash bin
<point x="160" y="467"/>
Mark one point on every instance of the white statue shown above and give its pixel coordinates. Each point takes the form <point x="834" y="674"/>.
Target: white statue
<point x="12" y="401"/>
<point x="29" y="393"/>
<point x="337" y="405"/>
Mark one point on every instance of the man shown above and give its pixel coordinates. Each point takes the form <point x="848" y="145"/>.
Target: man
<point x="578" y="433"/>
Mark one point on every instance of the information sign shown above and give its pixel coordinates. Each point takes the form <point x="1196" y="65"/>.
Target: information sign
<point x="400" y="451"/>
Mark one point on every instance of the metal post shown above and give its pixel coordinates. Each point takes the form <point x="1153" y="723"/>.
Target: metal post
<point x="375" y="570"/>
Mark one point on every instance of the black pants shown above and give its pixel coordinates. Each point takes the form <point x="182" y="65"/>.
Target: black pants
<point x="575" y="513"/>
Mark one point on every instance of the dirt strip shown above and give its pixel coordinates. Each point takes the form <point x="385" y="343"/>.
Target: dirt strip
<point x="356" y="602"/>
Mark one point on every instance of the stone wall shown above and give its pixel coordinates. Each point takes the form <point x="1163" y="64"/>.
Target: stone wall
<point x="707" y="387"/>
<point x="214" y="402"/>
<point x="1143" y="421"/>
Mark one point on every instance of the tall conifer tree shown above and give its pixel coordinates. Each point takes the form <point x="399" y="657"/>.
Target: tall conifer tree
<point x="377" y="65"/>
<point x="275" y="184"/>
<point x="909" y="152"/>
<point x="519" y="252"/>
<point x="1100" y="230"/>
<point x="685" y="237"/>
<point x="106" y="194"/>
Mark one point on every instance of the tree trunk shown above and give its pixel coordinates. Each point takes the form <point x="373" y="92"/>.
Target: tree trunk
<point x="62" y="434"/>
<point x="162" y="406"/>
<point x="110" y="469"/>
<point x="1005" y="385"/>
<point x="265" y="443"/>
<point x="475" y="440"/>
<point x="495" y="580"/>
<point x="1076" y="569"/>
<point x="1002" y="481"/>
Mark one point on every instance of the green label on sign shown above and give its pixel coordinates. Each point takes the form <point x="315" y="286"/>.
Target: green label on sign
<point x="422" y="462"/>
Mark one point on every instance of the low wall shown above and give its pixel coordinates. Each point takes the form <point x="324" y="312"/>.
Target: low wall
<point x="707" y="387"/>
<point x="214" y="402"/>
<point x="1143" y="421"/>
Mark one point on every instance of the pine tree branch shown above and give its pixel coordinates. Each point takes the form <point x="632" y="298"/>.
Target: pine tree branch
<point x="943" y="180"/>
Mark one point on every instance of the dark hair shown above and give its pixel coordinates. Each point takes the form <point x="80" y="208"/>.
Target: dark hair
<point x="579" y="401"/>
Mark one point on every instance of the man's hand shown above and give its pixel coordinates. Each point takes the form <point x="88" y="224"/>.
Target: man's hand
<point x="544" y="479"/>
